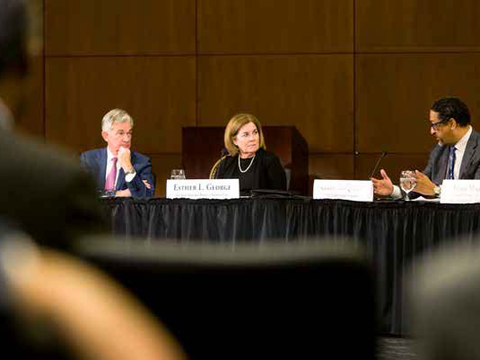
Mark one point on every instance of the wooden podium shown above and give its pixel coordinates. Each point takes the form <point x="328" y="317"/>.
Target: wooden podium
<point x="202" y="147"/>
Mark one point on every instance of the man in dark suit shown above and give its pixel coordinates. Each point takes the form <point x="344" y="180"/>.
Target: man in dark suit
<point x="456" y="155"/>
<point x="45" y="193"/>
<point x="116" y="168"/>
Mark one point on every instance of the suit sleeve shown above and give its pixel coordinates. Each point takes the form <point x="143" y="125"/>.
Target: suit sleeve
<point x="85" y="163"/>
<point x="435" y="161"/>
<point x="477" y="173"/>
<point x="428" y="169"/>
<point x="144" y="172"/>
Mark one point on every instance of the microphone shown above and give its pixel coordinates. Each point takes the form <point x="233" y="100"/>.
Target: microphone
<point x="384" y="153"/>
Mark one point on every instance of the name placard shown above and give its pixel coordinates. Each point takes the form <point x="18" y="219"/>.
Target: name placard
<point x="203" y="189"/>
<point x="354" y="190"/>
<point x="460" y="192"/>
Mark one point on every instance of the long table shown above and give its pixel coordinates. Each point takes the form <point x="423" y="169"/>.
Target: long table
<point x="393" y="233"/>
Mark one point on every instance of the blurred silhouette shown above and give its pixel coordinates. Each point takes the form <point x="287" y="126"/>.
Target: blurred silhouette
<point x="50" y="196"/>
<point x="445" y="303"/>
<point x="250" y="301"/>
<point x="57" y="307"/>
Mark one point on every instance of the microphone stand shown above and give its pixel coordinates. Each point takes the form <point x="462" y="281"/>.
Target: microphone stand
<point x="378" y="162"/>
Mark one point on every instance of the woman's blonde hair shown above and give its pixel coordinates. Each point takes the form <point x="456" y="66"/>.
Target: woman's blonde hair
<point x="234" y="126"/>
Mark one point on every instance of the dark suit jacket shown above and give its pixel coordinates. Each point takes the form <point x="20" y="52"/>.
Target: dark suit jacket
<point x="46" y="193"/>
<point x="469" y="169"/>
<point x="95" y="162"/>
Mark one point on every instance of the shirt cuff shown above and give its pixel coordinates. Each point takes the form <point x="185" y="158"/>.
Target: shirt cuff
<point x="129" y="177"/>
<point x="397" y="193"/>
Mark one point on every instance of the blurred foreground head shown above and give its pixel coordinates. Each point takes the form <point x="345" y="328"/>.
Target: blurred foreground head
<point x="13" y="38"/>
<point x="20" y="39"/>
<point x="52" y="305"/>
<point x="445" y="295"/>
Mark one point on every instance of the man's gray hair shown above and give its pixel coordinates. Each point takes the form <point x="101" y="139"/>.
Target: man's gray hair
<point x="115" y="116"/>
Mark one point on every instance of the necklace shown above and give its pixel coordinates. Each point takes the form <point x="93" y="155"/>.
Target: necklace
<point x="248" y="167"/>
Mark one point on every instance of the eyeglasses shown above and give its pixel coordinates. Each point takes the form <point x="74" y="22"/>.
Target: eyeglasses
<point x="436" y="125"/>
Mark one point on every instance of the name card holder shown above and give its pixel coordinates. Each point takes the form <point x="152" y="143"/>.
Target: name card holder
<point x="353" y="190"/>
<point x="460" y="192"/>
<point x="203" y="189"/>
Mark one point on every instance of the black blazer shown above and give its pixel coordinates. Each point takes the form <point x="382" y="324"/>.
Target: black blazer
<point x="266" y="172"/>
<point x="469" y="169"/>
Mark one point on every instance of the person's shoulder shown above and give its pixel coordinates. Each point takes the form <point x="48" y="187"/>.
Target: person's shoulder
<point x="475" y="135"/>
<point x="35" y="157"/>
<point x="437" y="149"/>
<point x="226" y="162"/>
<point x="229" y="159"/>
<point x="268" y="155"/>
<point x="25" y="145"/>
<point x="140" y="157"/>
<point x="92" y="153"/>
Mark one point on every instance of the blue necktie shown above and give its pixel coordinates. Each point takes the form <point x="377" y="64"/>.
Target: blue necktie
<point x="451" y="162"/>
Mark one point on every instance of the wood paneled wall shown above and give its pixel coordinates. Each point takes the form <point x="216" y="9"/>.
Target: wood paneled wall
<point x="356" y="77"/>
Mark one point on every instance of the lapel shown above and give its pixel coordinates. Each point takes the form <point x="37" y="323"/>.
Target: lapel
<point x="469" y="151"/>
<point x="442" y="166"/>
<point x="120" y="180"/>
<point x="102" y="161"/>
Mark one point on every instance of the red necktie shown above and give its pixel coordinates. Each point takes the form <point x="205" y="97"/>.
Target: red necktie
<point x="110" y="182"/>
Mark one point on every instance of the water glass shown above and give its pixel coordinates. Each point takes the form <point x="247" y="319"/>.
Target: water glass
<point x="408" y="182"/>
<point x="178" y="174"/>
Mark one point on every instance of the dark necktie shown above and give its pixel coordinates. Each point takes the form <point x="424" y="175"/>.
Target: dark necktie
<point x="451" y="162"/>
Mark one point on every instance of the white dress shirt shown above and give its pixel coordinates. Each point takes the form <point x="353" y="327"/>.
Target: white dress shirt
<point x="110" y="156"/>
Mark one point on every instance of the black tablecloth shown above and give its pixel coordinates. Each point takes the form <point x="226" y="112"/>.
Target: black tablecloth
<point x="392" y="232"/>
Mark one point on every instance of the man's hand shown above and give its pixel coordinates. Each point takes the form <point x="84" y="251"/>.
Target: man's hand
<point x="123" y="193"/>
<point x="383" y="187"/>
<point x="424" y="185"/>
<point x="147" y="184"/>
<point x="124" y="159"/>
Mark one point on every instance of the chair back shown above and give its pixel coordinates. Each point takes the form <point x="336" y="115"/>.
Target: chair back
<point x="213" y="171"/>
<point x="251" y="301"/>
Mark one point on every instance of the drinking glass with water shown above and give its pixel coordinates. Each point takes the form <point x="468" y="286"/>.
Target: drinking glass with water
<point x="408" y="181"/>
<point x="178" y="174"/>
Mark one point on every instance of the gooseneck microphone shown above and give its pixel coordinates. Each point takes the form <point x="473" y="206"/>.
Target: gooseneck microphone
<point x="378" y="163"/>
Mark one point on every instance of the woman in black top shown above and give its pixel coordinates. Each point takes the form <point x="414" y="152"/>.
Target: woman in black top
<point x="247" y="159"/>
